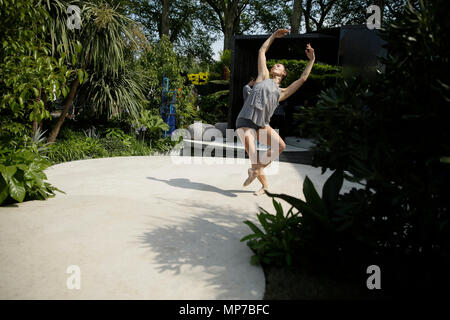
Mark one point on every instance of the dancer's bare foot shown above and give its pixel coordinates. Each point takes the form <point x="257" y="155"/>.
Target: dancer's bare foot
<point x="252" y="174"/>
<point x="260" y="191"/>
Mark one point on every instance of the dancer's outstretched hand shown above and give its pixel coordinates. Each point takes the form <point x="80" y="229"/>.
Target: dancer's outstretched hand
<point x="310" y="52"/>
<point x="280" y="33"/>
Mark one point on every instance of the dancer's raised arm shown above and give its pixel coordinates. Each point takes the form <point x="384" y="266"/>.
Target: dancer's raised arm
<point x="287" y="92"/>
<point x="263" y="72"/>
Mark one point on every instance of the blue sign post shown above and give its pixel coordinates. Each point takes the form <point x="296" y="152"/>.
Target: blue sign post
<point x="167" y="110"/>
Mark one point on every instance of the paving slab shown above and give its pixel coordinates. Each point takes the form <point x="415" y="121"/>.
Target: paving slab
<point x="153" y="227"/>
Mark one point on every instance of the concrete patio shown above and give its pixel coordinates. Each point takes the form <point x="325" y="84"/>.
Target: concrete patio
<point x="142" y="228"/>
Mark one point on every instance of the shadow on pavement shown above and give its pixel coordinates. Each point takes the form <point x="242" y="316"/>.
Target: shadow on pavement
<point x="188" y="184"/>
<point x="211" y="242"/>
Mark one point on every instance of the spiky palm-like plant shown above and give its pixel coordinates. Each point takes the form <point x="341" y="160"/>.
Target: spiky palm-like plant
<point x="110" y="96"/>
<point x="105" y="33"/>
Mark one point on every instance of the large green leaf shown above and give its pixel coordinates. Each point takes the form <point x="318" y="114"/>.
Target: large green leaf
<point x="312" y="197"/>
<point x="17" y="189"/>
<point x="331" y="188"/>
<point x="254" y="228"/>
<point x="249" y="237"/>
<point x="303" y="207"/>
<point x="262" y="220"/>
<point x="278" y="208"/>
<point x="8" y="172"/>
<point x="80" y="76"/>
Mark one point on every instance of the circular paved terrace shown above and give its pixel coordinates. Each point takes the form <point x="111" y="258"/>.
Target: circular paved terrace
<point x="142" y="228"/>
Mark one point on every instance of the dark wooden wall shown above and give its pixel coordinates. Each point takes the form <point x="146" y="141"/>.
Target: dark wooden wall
<point x="360" y="49"/>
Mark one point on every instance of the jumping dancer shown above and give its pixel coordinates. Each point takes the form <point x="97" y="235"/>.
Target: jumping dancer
<point x="253" y="120"/>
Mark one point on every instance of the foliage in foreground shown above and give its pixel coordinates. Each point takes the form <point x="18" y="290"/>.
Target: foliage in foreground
<point x="22" y="173"/>
<point x="301" y="230"/>
<point x="391" y="137"/>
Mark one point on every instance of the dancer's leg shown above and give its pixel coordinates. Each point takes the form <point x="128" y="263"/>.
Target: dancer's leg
<point x="271" y="138"/>
<point x="247" y="137"/>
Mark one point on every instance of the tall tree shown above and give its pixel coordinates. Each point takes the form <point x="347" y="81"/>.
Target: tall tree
<point x="238" y="16"/>
<point x="229" y="14"/>
<point x="307" y="13"/>
<point x="184" y="22"/>
<point x="316" y="13"/>
<point x="296" y="16"/>
<point x="266" y="16"/>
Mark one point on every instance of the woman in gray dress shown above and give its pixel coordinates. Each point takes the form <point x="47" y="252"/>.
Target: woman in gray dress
<point x="253" y="120"/>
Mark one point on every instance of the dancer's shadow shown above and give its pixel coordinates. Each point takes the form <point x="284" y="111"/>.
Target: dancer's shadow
<point x="188" y="184"/>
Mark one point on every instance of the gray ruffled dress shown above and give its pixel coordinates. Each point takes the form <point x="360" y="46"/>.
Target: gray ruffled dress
<point x="261" y="103"/>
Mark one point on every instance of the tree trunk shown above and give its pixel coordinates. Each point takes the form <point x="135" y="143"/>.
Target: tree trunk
<point x="165" y="18"/>
<point x="35" y="126"/>
<point x="228" y="38"/>
<point x="296" y="16"/>
<point x="307" y="14"/>
<point x="64" y="112"/>
<point x="229" y="28"/>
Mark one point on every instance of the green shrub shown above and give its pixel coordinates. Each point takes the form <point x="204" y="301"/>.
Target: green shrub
<point x="140" y="148"/>
<point x="213" y="108"/>
<point x="149" y="126"/>
<point x="22" y="173"/>
<point x="295" y="69"/>
<point x="277" y="243"/>
<point x="76" y="148"/>
<point x="110" y="142"/>
<point x="162" y="60"/>
<point x="300" y="235"/>
<point x="115" y="146"/>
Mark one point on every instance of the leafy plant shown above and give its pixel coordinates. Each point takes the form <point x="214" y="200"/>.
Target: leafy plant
<point x="76" y="148"/>
<point x="39" y="140"/>
<point x="213" y="101"/>
<point x="276" y="243"/>
<point x="76" y="145"/>
<point x="32" y="71"/>
<point x="149" y="125"/>
<point x="119" y="135"/>
<point x="161" y="60"/>
<point x="295" y="68"/>
<point x="288" y="237"/>
<point x="22" y="175"/>
<point x="91" y="133"/>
